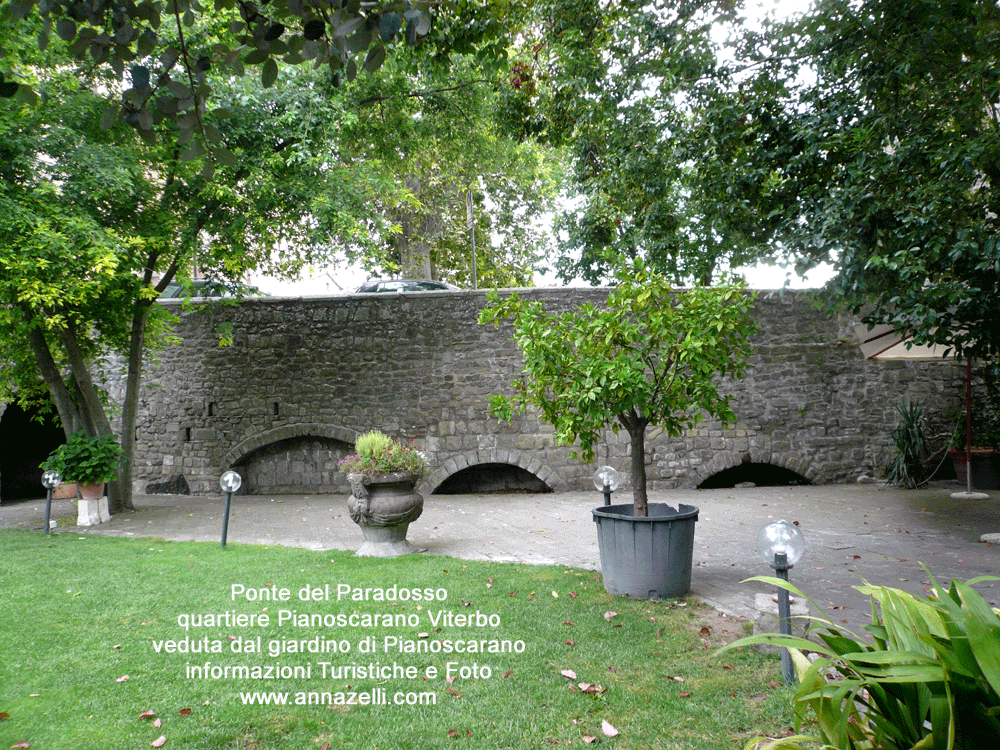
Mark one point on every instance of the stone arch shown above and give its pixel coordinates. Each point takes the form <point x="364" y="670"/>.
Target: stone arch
<point x="304" y="430"/>
<point x="457" y="463"/>
<point x="723" y="460"/>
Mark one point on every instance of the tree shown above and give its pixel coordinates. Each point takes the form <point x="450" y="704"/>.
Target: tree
<point x="867" y="134"/>
<point x="614" y="83"/>
<point x="169" y="62"/>
<point x="651" y="356"/>
<point x="100" y="221"/>
<point x="431" y="129"/>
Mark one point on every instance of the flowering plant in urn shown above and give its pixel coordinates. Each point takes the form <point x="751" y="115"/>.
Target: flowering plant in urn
<point x="383" y="502"/>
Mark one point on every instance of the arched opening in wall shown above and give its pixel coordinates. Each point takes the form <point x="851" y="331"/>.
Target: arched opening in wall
<point x="760" y="474"/>
<point x="303" y="465"/>
<point x="24" y="443"/>
<point x="486" y="478"/>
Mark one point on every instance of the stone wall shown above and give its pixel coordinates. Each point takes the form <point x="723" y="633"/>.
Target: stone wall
<point x="304" y="377"/>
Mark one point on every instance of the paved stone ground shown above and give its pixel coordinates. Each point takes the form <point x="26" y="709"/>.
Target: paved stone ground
<point x="853" y="532"/>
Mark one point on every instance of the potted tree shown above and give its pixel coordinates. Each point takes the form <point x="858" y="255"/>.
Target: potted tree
<point x="651" y="356"/>
<point x="383" y="474"/>
<point x="91" y="461"/>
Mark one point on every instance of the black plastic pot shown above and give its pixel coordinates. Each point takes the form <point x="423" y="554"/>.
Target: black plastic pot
<point x="646" y="558"/>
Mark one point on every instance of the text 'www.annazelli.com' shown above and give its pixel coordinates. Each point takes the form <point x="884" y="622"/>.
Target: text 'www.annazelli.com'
<point x="373" y="697"/>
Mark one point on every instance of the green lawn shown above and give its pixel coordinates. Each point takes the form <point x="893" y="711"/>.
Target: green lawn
<point x="83" y="617"/>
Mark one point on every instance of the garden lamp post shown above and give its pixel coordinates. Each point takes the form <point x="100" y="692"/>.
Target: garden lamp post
<point x="781" y="544"/>
<point x="230" y="482"/>
<point x="50" y="480"/>
<point x="607" y="479"/>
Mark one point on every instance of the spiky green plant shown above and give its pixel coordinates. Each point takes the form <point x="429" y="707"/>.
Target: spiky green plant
<point x="929" y="680"/>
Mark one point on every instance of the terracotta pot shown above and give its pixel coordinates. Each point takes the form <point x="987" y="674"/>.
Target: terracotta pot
<point x="383" y="506"/>
<point x="91" y="490"/>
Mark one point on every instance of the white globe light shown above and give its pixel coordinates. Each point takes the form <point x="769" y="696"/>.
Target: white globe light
<point x="51" y="479"/>
<point x="607" y="476"/>
<point x="230" y="481"/>
<point x="781" y="537"/>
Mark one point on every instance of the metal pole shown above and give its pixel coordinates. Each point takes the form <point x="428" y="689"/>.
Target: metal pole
<point x="968" y="425"/>
<point x="225" y="519"/>
<point x="607" y="494"/>
<point x="48" y="508"/>
<point x="781" y="567"/>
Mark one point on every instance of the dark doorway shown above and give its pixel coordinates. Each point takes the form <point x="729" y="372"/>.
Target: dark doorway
<point x="24" y="443"/>
<point x="484" y="478"/>
<point x="762" y="475"/>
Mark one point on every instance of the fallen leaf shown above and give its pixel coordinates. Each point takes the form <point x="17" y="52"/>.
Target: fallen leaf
<point x="157" y="723"/>
<point x="555" y="594"/>
<point x="591" y="689"/>
<point x="609" y="614"/>
<point x="609" y="729"/>
<point x="159" y="741"/>
<point x="572" y="595"/>
<point x="4" y="715"/>
<point x="730" y="667"/>
<point x="466" y="604"/>
<point x="568" y="674"/>
<point x="117" y="646"/>
<point x="453" y="692"/>
<point x="325" y="746"/>
<point x="567" y="622"/>
<point x="705" y="630"/>
<point x="613" y="669"/>
<point x="675" y="678"/>
<point x="122" y="678"/>
<point x="569" y="642"/>
<point x="588" y="739"/>
<point x="148" y="714"/>
<point x="453" y="733"/>
<point x="20" y="746"/>
<point x="184" y="712"/>
<point x="508" y="673"/>
<point x="684" y="694"/>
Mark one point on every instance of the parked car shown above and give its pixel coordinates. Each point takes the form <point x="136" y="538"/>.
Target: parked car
<point x="405" y="285"/>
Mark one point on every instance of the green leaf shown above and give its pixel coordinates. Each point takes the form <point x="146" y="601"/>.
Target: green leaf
<point x="389" y="25"/>
<point x="375" y="59"/>
<point x="269" y="73"/>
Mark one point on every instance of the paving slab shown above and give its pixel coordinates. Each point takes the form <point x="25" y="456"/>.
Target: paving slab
<point x="854" y="533"/>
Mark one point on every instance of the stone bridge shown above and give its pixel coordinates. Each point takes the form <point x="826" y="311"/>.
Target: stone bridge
<point x="304" y="377"/>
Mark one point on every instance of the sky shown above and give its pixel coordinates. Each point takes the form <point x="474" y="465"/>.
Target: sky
<point x="345" y="279"/>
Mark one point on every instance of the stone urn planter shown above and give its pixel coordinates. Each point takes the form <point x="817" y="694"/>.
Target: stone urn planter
<point x="646" y="557"/>
<point x="384" y="506"/>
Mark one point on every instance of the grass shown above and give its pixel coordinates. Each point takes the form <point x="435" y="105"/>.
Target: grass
<point x="82" y="612"/>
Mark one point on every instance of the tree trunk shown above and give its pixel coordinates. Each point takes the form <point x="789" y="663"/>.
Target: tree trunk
<point x="130" y="407"/>
<point x="69" y="413"/>
<point x="636" y="427"/>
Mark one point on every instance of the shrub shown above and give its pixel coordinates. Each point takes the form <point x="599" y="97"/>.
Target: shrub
<point x="85" y="458"/>
<point x="930" y="679"/>
<point x="377" y="453"/>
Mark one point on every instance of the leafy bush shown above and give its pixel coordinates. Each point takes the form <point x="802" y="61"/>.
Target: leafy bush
<point x="377" y="453"/>
<point x="930" y="679"/>
<point x="85" y="458"/>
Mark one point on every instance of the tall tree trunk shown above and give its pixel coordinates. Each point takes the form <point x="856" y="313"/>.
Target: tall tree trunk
<point x="69" y="412"/>
<point x="130" y="408"/>
<point x="636" y="426"/>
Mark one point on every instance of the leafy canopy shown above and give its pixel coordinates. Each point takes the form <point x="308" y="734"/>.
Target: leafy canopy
<point x="652" y="355"/>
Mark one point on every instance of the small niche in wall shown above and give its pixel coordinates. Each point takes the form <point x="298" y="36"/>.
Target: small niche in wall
<point x="187" y="434"/>
<point x="275" y="409"/>
<point x="212" y="409"/>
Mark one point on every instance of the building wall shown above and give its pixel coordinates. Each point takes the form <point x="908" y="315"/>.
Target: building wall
<point x="304" y="377"/>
